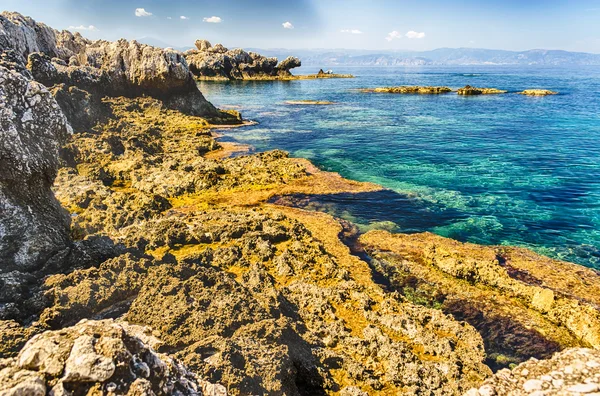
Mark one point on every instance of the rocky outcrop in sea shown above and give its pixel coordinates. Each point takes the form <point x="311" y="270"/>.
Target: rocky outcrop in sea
<point x="218" y="62"/>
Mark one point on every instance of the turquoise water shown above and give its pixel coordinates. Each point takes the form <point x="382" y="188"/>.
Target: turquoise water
<point x="504" y="169"/>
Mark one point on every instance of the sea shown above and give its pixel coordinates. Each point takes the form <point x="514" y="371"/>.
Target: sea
<point x="492" y="169"/>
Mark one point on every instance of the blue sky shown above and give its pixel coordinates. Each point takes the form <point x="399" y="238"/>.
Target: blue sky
<point x="359" y="24"/>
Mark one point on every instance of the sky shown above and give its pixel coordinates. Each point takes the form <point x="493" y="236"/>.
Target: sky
<point x="353" y="24"/>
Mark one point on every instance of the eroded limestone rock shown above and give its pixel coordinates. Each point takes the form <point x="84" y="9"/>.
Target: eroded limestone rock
<point x="220" y="63"/>
<point x="98" y="357"/>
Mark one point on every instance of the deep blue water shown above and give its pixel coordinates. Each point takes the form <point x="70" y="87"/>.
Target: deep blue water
<point x="505" y="169"/>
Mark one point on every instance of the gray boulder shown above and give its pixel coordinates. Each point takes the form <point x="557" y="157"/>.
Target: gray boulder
<point x="99" y="357"/>
<point x="33" y="225"/>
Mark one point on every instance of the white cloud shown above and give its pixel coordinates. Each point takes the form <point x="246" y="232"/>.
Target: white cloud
<point x="169" y="18"/>
<point x="287" y="25"/>
<point x="183" y="17"/>
<point x="213" y="19"/>
<point x="91" y="28"/>
<point x="393" y="35"/>
<point x="140" y="12"/>
<point x="353" y="31"/>
<point x="415" y="35"/>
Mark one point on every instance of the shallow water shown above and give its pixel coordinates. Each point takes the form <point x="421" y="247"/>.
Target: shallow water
<point x="502" y="169"/>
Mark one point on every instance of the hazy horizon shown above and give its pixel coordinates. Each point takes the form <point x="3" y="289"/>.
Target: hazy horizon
<point x="384" y="25"/>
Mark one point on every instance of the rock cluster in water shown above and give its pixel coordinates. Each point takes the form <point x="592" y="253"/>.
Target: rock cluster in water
<point x="218" y="62"/>
<point x="538" y="92"/>
<point x="169" y="234"/>
<point x="469" y="90"/>
<point x="411" y="90"/>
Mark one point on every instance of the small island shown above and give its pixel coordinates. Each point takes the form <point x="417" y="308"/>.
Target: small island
<point x="469" y="90"/>
<point x="409" y="90"/>
<point x="538" y="92"/>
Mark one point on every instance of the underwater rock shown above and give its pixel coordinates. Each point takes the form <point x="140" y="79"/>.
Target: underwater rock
<point x="98" y="357"/>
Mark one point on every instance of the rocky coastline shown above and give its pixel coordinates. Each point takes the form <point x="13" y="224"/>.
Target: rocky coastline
<point x="139" y="257"/>
<point x="217" y="63"/>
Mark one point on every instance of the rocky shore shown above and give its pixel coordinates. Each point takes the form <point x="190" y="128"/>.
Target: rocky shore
<point x="138" y="257"/>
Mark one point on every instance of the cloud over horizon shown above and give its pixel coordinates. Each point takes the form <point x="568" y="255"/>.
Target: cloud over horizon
<point x="183" y="17"/>
<point x="287" y="25"/>
<point x="415" y="35"/>
<point x="393" y="35"/>
<point x="352" y="31"/>
<point x="141" y="12"/>
<point x="213" y="19"/>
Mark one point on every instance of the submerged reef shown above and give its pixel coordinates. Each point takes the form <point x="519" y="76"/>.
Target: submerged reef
<point x="229" y="293"/>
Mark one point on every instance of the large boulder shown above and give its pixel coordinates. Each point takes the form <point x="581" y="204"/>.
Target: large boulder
<point x="33" y="225"/>
<point x="99" y="357"/>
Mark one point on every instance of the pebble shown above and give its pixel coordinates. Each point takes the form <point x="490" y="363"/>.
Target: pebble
<point x="532" y="385"/>
<point x="584" y="388"/>
<point x="558" y="383"/>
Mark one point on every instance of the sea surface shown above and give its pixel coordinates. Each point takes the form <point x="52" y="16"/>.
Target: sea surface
<point x="502" y="169"/>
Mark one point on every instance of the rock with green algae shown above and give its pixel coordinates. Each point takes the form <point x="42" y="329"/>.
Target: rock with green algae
<point x="410" y="90"/>
<point x="522" y="304"/>
<point x="469" y="90"/>
<point x="538" y="92"/>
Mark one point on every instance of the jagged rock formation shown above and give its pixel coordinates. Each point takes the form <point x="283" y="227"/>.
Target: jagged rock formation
<point x="33" y="225"/>
<point x="34" y="228"/>
<point x="98" y="357"/>
<point x="410" y="90"/>
<point x="469" y="90"/>
<point x="571" y="372"/>
<point x="208" y="62"/>
<point x="538" y="92"/>
<point x="101" y="69"/>
<point x="522" y="304"/>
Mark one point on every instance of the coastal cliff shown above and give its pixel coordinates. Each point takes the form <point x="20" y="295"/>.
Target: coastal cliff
<point x="232" y="294"/>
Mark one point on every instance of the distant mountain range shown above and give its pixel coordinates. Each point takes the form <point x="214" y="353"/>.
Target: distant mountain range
<point x="441" y="56"/>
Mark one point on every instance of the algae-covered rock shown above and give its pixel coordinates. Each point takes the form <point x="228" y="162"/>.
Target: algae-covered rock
<point x="522" y="304"/>
<point x="410" y="90"/>
<point x="469" y="90"/>
<point x="98" y="357"/>
<point x="538" y="92"/>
